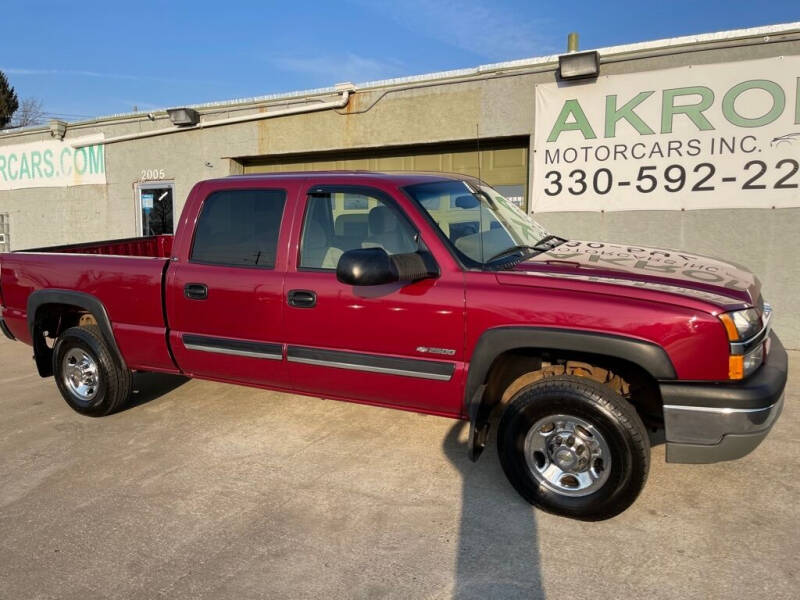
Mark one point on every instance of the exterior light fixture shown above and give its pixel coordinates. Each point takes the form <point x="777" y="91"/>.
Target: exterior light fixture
<point x="579" y="65"/>
<point x="183" y="116"/>
<point x="58" y="129"/>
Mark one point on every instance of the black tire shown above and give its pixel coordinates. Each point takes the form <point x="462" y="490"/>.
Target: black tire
<point x="613" y="418"/>
<point x="113" y="382"/>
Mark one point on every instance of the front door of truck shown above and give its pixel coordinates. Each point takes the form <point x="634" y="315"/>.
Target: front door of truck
<point x="225" y="294"/>
<point x="396" y="344"/>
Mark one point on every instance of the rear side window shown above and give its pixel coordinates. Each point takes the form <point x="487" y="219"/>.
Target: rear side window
<point x="239" y="228"/>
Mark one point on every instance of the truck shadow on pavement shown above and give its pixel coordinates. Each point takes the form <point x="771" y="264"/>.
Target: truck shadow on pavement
<point x="498" y="546"/>
<point x="151" y="386"/>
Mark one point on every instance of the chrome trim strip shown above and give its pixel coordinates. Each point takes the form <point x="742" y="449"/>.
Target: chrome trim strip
<point x="724" y="411"/>
<point x="218" y="350"/>
<point x="369" y="369"/>
<point x="745" y="346"/>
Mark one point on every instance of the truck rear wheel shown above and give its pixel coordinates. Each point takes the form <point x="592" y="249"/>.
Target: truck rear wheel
<point x="87" y="374"/>
<point x="574" y="447"/>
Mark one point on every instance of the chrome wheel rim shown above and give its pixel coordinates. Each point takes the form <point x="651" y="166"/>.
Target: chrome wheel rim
<point x="80" y="374"/>
<point x="567" y="455"/>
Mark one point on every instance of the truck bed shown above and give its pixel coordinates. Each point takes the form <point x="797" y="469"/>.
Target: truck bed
<point x="126" y="275"/>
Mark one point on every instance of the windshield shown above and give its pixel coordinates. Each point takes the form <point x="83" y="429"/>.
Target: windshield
<point x="478" y="221"/>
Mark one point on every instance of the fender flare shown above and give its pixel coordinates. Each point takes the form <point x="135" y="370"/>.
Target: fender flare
<point x="43" y="354"/>
<point x="494" y="342"/>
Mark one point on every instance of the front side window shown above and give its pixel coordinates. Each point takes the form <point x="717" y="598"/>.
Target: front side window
<point x="479" y="222"/>
<point x="239" y="228"/>
<point x="336" y="222"/>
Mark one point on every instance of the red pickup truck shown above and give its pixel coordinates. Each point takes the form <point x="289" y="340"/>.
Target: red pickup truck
<point x="425" y="292"/>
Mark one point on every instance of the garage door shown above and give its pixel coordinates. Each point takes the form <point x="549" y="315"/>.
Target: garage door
<point x="503" y="162"/>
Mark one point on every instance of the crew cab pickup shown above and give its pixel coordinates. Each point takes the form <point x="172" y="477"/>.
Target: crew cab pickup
<point x="425" y="292"/>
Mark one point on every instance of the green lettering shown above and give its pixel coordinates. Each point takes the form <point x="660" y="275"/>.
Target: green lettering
<point x="80" y="167"/>
<point x="48" y="163"/>
<point x="96" y="159"/>
<point x="3" y="167"/>
<point x="12" y="175"/>
<point x="772" y="88"/>
<point x="693" y="111"/>
<point x="580" y="122"/>
<point x="24" y="169"/>
<point x="614" y="114"/>
<point x="36" y="160"/>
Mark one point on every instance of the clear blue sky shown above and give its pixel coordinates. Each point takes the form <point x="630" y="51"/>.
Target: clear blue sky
<point x="96" y="58"/>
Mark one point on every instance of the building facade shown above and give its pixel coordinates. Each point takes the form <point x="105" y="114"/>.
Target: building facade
<point x="687" y="143"/>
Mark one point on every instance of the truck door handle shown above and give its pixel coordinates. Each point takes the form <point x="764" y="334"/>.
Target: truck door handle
<point x="195" y="291"/>
<point x="302" y="298"/>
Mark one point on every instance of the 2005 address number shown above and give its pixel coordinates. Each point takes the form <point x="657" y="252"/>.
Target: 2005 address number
<point x="152" y="174"/>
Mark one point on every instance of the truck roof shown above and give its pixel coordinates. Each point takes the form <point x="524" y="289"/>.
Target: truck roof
<point x="400" y="178"/>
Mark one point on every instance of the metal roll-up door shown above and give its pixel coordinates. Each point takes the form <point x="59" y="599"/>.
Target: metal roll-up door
<point x="503" y="162"/>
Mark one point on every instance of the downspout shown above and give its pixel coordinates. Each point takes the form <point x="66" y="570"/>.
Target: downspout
<point x="333" y="104"/>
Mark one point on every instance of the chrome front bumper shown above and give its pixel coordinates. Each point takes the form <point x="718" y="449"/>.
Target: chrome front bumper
<point x="711" y="422"/>
<point x="704" y="435"/>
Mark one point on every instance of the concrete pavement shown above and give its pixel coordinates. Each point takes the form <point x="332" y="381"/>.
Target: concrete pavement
<point x="205" y="490"/>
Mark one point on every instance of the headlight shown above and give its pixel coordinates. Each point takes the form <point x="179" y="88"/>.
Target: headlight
<point x="741" y="325"/>
<point x="741" y="365"/>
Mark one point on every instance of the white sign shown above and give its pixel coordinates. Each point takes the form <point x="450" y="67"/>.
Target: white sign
<point x="52" y="164"/>
<point x="712" y="136"/>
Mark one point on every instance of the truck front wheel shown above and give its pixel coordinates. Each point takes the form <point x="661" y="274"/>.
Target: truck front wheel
<point x="87" y="374"/>
<point x="574" y="447"/>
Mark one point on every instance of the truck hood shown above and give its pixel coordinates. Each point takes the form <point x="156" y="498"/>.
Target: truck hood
<point x="673" y="271"/>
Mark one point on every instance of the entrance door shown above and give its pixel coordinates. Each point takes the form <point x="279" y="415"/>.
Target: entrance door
<point x="399" y="344"/>
<point x="155" y="208"/>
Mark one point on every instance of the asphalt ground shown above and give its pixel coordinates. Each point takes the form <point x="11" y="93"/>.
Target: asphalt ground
<point x="204" y="490"/>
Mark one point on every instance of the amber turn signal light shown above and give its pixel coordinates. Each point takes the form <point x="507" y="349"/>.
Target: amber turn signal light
<point x="736" y="367"/>
<point x="730" y="327"/>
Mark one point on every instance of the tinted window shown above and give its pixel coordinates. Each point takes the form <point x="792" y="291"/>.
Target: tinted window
<point x="337" y="222"/>
<point x="239" y="228"/>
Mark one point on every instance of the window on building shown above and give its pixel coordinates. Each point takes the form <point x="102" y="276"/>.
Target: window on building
<point x="5" y="238"/>
<point x="336" y="222"/>
<point x="239" y="228"/>
<point x="155" y="208"/>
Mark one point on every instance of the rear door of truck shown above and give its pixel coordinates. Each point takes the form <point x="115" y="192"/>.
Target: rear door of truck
<point x="224" y="296"/>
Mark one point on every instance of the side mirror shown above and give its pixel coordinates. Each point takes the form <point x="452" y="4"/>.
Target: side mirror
<point x="373" y="266"/>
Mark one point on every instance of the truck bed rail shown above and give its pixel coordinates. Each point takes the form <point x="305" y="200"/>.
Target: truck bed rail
<point x="157" y="246"/>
